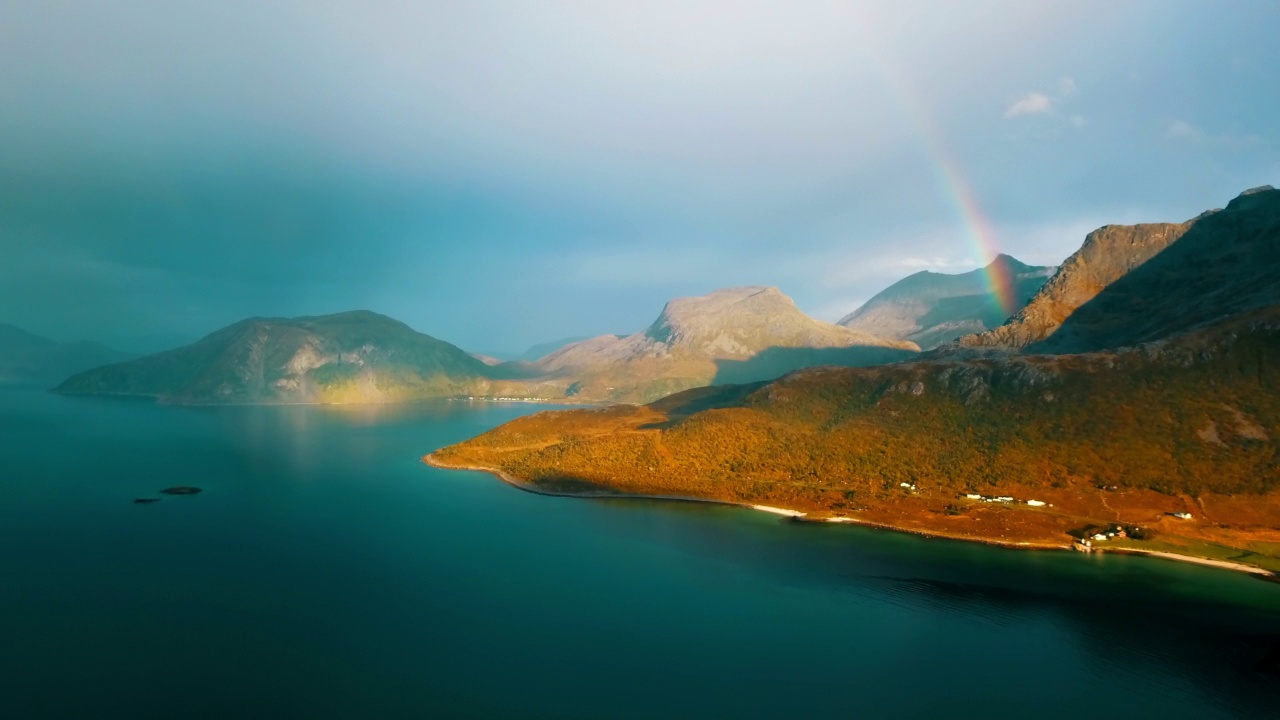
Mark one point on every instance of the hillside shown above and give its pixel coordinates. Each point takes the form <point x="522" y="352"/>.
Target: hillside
<point x="930" y="308"/>
<point x="348" y="357"/>
<point x="26" y="357"/>
<point x="732" y="335"/>
<point x="541" y="350"/>
<point x="1107" y="437"/>
<point x="1159" y="279"/>
<point x="1179" y="413"/>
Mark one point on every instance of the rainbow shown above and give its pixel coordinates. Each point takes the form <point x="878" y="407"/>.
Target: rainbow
<point x="954" y="185"/>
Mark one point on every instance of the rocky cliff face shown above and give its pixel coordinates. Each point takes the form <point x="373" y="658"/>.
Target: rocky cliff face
<point x="349" y="357"/>
<point x="731" y="335"/>
<point x="1134" y="283"/>
<point x="930" y="308"/>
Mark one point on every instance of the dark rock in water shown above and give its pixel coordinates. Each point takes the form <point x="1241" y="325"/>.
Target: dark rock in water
<point x="144" y="501"/>
<point x="181" y="490"/>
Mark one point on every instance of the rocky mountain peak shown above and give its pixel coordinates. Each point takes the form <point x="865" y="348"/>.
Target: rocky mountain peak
<point x="931" y="308"/>
<point x="1134" y="283"/>
<point x="738" y="309"/>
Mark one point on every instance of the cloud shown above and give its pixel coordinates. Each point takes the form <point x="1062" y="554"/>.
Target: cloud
<point x="1182" y="130"/>
<point x="1033" y="104"/>
<point x="1039" y="103"/>
<point x="1185" y="132"/>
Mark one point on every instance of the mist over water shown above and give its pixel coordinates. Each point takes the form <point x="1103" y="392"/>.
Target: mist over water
<point x="325" y="572"/>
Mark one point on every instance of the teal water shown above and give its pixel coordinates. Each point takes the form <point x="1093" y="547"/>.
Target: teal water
<point x="326" y="573"/>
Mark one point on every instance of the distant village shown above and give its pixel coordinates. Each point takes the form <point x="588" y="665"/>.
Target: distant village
<point x="473" y="398"/>
<point x="1087" y="540"/>
<point x="1007" y="499"/>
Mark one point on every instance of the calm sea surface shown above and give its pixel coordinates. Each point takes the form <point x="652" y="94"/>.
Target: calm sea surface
<point x="325" y="572"/>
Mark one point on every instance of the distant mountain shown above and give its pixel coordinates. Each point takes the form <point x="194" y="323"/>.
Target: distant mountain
<point x="727" y="336"/>
<point x="28" y="357"/>
<point x="541" y="350"/>
<point x="355" y="356"/>
<point x="930" y="308"/>
<point x="1159" y="397"/>
<point x="1130" y="284"/>
<point x="732" y="335"/>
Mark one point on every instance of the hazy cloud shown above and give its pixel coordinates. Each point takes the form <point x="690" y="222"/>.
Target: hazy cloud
<point x="500" y="173"/>
<point x="1033" y="104"/>
<point x="1182" y="131"/>
<point x="1038" y="103"/>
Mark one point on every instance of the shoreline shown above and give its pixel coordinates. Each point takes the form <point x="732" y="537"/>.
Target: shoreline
<point x="1224" y="564"/>
<point x="801" y="517"/>
<point x="164" y="400"/>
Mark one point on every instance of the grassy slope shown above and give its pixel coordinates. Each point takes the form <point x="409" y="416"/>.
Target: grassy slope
<point x="1186" y="424"/>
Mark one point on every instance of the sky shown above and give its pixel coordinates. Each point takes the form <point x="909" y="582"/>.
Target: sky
<point x="504" y="174"/>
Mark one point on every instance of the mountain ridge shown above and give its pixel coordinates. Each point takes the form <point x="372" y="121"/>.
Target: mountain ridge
<point x="744" y="331"/>
<point x="1158" y="277"/>
<point x="1169" y="414"/>
<point x="931" y="308"/>
<point x="354" y="356"/>
<point x="27" y="357"/>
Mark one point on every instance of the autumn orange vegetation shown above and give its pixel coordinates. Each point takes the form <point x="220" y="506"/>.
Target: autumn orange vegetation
<point x="1187" y="424"/>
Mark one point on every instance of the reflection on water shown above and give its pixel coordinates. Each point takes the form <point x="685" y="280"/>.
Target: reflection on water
<point x="325" y="572"/>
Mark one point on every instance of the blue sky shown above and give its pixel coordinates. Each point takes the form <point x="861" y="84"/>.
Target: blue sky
<point x="501" y="174"/>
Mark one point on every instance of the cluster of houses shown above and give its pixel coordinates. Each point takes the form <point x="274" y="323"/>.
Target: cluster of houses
<point x="1117" y="532"/>
<point x="1002" y="499"/>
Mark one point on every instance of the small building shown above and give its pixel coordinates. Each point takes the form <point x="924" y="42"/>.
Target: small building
<point x="1182" y="515"/>
<point x="973" y="496"/>
<point x="1035" y="503"/>
<point x="1099" y="536"/>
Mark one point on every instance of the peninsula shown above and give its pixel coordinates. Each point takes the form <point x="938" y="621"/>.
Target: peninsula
<point x="1153" y="428"/>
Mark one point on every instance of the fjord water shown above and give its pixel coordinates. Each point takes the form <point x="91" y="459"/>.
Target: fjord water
<point x="325" y="572"/>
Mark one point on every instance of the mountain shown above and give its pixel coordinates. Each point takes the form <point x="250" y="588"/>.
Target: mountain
<point x="1178" y="414"/>
<point x="1124" y="436"/>
<point x="541" y="350"/>
<point x="355" y="356"/>
<point x="930" y="308"/>
<point x="731" y="335"/>
<point x="30" y="358"/>
<point x="1130" y="284"/>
